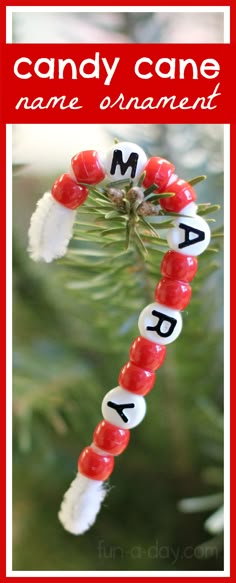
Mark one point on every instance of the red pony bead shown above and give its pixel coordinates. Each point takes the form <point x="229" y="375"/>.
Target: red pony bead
<point x="184" y="194"/>
<point x="111" y="438"/>
<point x="158" y="171"/>
<point x="87" y="168"/>
<point x="135" y="379"/>
<point x="146" y="354"/>
<point x="178" y="266"/>
<point x="172" y="293"/>
<point x="95" y="466"/>
<point x="68" y="193"/>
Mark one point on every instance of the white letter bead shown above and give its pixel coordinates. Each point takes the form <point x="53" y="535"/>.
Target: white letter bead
<point x="124" y="160"/>
<point x="123" y="408"/>
<point x="189" y="236"/>
<point x="160" y="324"/>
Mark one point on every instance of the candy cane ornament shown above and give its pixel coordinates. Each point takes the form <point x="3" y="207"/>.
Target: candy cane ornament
<point x="160" y="322"/>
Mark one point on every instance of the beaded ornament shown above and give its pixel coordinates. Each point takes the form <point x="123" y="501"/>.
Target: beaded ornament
<point x="160" y="322"/>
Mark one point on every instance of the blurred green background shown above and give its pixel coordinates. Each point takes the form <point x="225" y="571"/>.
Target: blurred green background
<point x="71" y="336"/>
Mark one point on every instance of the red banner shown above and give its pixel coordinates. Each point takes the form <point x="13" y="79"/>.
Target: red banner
<point x="88" y="83"/>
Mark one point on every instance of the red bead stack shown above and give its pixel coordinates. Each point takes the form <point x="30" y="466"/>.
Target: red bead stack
<point x="158" y="171"/>
<point x="87" y="168"/>
<point x="68" y="193"/>
<point x="94" y="465"/>
<point x="172" y="293"/>
<point x="184" y="194"/>
<point x="177" y="266"/>
<point x="110" y="438"/>
<point x="135" y="379"/>
<point x="146" y="354"/>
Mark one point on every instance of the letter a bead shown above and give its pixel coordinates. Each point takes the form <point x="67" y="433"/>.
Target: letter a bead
<point x="189" y="235"/>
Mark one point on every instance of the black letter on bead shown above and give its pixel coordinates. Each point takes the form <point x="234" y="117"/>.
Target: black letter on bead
<point x="117" y="160"/>
<point x="162" y="318"/>
<point x="119" y="409"/>
<point x="200" y="236"/>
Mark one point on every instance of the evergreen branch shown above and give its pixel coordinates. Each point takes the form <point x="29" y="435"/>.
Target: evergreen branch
<point x="196" y="180"/>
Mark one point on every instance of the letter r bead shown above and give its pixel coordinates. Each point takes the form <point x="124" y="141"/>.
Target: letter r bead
<point x="160" y="323"/>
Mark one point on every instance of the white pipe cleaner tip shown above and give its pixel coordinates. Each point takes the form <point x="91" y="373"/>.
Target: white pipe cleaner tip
<point x="51" y="228"/>
<point x="81" y="504"/>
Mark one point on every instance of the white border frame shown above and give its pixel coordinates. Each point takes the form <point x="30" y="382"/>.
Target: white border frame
<point x="225" y="10"/>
